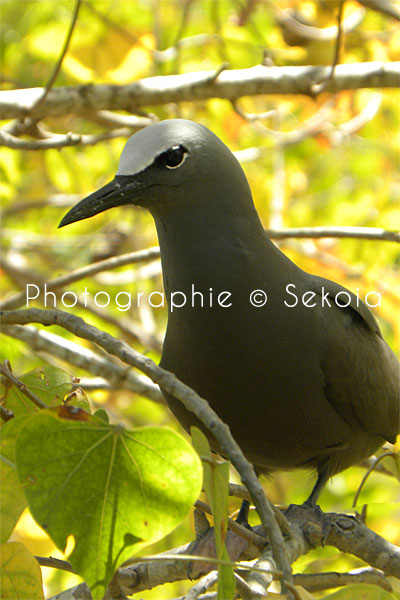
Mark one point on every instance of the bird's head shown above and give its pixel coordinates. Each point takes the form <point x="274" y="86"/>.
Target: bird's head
<point x="173" y="162"/>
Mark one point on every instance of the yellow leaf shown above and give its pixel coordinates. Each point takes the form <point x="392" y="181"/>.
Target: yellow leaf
<point x="20" y="573"/>
<point x="12" y="500"/>
<point x="136" y="62"/>
<point x="76" y="69"/>
<point x="45" y="40"/>
<point x="301" y="593"/>
<point x="394" y="46"/>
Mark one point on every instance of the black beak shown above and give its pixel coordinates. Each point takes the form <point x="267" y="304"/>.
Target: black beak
<point x="115" y="193"/>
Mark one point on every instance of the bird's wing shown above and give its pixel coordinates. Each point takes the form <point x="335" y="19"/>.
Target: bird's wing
<point x="319" y="285"/>
<point x="361" y="373"/>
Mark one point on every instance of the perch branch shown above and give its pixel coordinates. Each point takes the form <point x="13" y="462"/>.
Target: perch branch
<point x="305" y="535"/>
<point x="187" y="396"/>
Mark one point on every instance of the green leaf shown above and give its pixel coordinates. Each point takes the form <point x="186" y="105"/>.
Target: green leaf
<point x="113" y="490"/>
<point x="48" y="383"/>
<point x="102" y="415"/>
<point x="216" y="485"/>
<point x="12" y="497"/>
<point x="21" y="577"/>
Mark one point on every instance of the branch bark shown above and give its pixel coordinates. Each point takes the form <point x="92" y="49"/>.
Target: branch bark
<point x="366" y="233"/>
<point x="190" y="399"/>
<point x="347" y="533"/>
<point x="201" y="85"/>
<point x="118" y="376"/>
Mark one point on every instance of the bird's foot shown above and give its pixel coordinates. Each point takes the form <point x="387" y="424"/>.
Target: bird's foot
<point x="243" y="516"/>
<point x="312" y="521"/>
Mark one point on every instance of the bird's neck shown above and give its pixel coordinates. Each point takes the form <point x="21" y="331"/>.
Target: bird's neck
<point x="215" y="248"/>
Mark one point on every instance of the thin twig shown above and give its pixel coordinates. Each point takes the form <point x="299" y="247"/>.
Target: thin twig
<point x="106" y="118"/>
<point x="320" y="87"/>
<point x="315" y="125"/>
<point x="364" y="233"/>
<point x="343" y="131"/>
<point x="141" y="256"/>
<point x="239" y="491"/>
<point x="316" y="582"/>
<point x="61" y="141"/>
<point x="185" y="13"/>
<point x="369" y="462"/>
<point x="247" y="534"/>
<point x="118" y="376"/>
<point x="367" y="474"/>
<point x="204" y="584"/>
<point x="23" y="278"/>
<point x="251" y="117"/>
<point x="310" y="32"/>
<point x="55" y="200"/>
<point x="55" y="563"/>
<point x="214" y="76"/>
<point x="57" y="67"/>
<point x="22" y="387"/>
<point x="5" y="414"/>
<point x="338" y="38"/>
<point x="386" y="7"/>
<point x="193" y="558"/>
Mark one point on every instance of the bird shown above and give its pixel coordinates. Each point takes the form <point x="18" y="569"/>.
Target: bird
<point x="293" y="363"/>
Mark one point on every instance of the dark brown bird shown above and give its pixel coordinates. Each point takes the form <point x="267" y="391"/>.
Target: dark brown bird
<point x="312" y="385"/>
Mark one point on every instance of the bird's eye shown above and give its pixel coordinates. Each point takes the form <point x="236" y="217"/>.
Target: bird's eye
<point x="173" y="157"/>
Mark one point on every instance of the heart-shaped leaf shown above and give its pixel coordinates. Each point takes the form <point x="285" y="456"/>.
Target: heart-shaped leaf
<point x="113" y="490"/>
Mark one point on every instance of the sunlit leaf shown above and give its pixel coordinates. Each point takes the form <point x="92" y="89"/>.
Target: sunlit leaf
<point x="21" y="577"/>
<point x="113" y="490"/>
<point x="135" y="63"/>
<point x="48" y="383"/>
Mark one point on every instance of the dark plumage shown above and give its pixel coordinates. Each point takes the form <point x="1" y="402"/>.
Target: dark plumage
<point x="299" y="387"/>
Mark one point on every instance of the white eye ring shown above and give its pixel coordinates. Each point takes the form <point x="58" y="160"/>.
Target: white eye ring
<point x="175" y="152"/>
<point x="184" y="157"/>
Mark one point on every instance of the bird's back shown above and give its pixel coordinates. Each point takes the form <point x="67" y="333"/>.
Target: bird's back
<point x="298" y="386"/>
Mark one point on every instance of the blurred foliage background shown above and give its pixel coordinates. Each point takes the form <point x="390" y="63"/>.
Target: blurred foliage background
<point x="344" y="174"/>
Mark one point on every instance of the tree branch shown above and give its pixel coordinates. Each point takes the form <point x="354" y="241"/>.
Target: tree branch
<point x="202" y="85"/>
<point x="57" y="140"/>
<point x="83" y="358"/>
<point x="308" y="32"/>
<point x="55" y="563"/>
<point x="365" y="233"/>
<point x="348" y="534"/>
<point x="6" y="372"/>
<point x="386" y="7"/>
<point x="305" y="535"/>
<point x="322" y="581"/>
<point x="190" y="399"/>
<point x="57" y="67"/>
<point x="114" y="262"/>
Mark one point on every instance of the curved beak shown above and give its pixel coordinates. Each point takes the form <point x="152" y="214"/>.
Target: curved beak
<point x="114" y="193"/>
